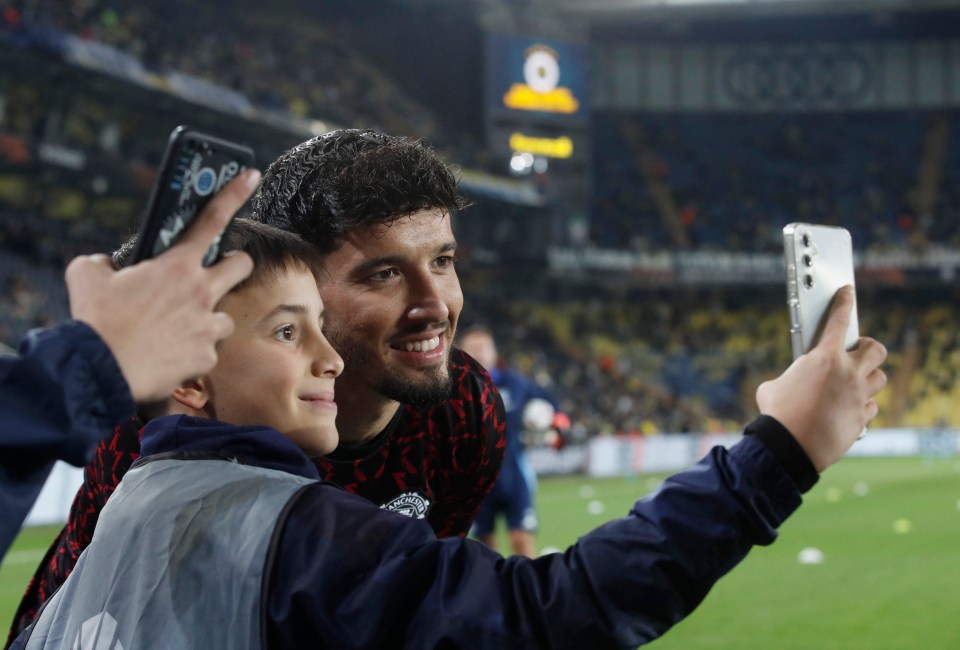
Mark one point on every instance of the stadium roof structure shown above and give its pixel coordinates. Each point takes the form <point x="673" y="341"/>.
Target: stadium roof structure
<point x="574" y="17"/>
<point x="610" y="10"/>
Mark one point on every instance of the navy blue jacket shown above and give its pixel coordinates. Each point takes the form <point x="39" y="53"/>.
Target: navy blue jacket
<point x="58" y="397"/>
<point x="343" y="573"/>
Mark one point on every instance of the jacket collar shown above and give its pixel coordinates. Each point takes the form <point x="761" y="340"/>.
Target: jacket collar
<point x="258" y="446"/>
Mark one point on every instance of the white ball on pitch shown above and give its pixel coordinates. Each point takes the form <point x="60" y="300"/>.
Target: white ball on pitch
<point x="538" y="414"/>
<point x="596" y="507"/>
<point x="810" y="555"/>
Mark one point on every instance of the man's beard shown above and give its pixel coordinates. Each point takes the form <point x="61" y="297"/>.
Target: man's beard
<point x="432" y="387"/>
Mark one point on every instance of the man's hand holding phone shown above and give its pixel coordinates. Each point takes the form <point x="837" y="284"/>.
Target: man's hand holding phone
<point x="158" y="316"/>
<point x="825" y="398"/>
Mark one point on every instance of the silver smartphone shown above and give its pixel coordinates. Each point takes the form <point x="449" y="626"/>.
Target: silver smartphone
<point x="819" y="262"/>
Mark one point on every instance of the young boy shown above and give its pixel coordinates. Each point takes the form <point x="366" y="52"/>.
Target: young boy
<point x="221" y="536"/>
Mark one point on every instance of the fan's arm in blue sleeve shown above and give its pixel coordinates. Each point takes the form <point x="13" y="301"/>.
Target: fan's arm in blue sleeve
<point x="59" y="395"/>
<point x="359" y="577"/>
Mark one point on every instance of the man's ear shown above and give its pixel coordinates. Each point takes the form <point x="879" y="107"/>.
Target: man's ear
<point x="192" y="394"/>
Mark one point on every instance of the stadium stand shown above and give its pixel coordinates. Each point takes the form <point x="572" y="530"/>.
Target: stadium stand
<point x="934" y="390"/>
<point x="734" y="180"/>
<point x="282" y="57"/>
<point x="674" y="363"/>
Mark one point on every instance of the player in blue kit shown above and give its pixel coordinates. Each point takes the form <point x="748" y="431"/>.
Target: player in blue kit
<point x="529" y="407"/>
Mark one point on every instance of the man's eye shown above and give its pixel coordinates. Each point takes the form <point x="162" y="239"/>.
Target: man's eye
<point x="446" y="261"/>
<point x="285" y="333"/>
<point x="385" y="274"/>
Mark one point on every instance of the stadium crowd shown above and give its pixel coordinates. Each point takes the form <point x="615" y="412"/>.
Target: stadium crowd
<point x="663" y="363"/>
<point x="735" y="179"/>
<point x="277" y="56"/>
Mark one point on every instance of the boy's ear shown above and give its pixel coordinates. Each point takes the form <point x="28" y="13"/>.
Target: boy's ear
<point x="192" y="394"/>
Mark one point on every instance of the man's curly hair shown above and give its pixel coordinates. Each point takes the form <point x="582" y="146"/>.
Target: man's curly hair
<point x="325" y="187"/>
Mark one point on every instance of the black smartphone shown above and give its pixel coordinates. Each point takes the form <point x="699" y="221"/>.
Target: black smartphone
<point x="195" y="166"/>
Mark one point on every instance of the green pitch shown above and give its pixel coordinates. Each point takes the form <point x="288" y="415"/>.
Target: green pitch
<point x="888" y="531"/>
<point x="17" y="569"/>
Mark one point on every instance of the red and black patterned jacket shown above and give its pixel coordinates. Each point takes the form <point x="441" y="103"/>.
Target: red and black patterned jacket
<point x="436" y="463"/>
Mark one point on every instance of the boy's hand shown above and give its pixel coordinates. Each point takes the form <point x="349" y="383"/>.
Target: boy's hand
<point x="825" y="398"/>
<point x="158" y="316"/>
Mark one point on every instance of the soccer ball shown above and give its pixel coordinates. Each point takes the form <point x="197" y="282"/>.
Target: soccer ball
<point x="537" y="415"/>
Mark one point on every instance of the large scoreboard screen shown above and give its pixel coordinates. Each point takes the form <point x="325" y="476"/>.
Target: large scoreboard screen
<point x="536" y="96"/>
<point x="536" y="79"/>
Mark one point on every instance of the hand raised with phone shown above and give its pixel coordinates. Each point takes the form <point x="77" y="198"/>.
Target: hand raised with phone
<point x="158" y="316"/>
<point x="825" y="398"/>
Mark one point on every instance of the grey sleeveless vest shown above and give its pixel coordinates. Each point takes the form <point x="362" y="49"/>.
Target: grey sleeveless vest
<point x="176" y="561"/>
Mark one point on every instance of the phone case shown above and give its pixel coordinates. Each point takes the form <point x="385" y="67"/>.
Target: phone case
<point x="819" y="261"/>
<point x="195" y="166"/>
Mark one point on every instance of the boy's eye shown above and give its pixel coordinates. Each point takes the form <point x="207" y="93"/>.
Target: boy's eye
<point x="285" y="333"/>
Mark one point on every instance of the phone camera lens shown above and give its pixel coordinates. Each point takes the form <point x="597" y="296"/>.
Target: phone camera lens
<point x="808" y="281"/>
<point x="807" y="260"/>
